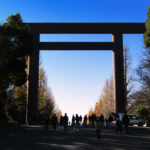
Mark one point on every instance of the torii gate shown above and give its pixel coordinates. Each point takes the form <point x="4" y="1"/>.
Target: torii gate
<point x="116" y="29"/>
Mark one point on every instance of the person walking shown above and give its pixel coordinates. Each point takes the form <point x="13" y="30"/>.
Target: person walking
<point x="98" y="125"/>
<point x="110" y="119"/>
<point x="93" y="119"/>
<point x="73" y="122"/>
<point x="46" y="122"/>
<point x="80" y="118"/>
<point x="54" y="122"/>
<point x="118" y="125"/>
<point x="125" y="122"/>
<point x="85" y="121"/>
<point x="65" y="122"/>
<point x="77" y="122"/>
<point x="102" y="117"/>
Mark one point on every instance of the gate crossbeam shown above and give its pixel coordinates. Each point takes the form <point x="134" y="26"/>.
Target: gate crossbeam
<point x="84" y="28"/>
<point x="76" y="45"/>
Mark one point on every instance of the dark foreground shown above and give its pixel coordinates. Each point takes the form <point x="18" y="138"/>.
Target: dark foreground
<point x="37" y="138"/>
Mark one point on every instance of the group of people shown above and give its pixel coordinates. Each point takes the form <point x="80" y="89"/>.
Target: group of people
<point x="94" y="121"/>
<point x="93" y="118"/>
<point x="64" y="121"/>
<point x="54" y="121"/>
<point x="119" y="123"/>
<point x="76" y="121"/>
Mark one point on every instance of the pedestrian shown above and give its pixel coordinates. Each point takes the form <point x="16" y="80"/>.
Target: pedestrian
<point x="46" y="122"/>
<point x="73" y="122"/>
<point x="65" y="122"/>
<point x="102" y="117"/>
<point x="93" y="119"/>
<point x="54" y="122"/>
<point x="110" y="119"/>
<point x="90" y="120"/>
<point x="118" y="125"/>
<point x="125" y="122"/>
<point x="85" y="121"/>
<point x="98" y="125"/>
<point x="61" y="120"/>
<point x="77" y="122"/>
<point x="80" y="118"/>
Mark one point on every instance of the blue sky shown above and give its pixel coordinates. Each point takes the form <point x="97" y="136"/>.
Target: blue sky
<point x="77" y="77"/>
<point x="76" y="10"/>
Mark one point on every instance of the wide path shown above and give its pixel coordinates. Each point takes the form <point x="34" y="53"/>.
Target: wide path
<point x="37" y="138"/>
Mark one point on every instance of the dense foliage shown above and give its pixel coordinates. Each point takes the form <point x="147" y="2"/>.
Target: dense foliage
<point x="16" y="43"/>
<point x="147" y="33"/>
<point x="143" y="112"/>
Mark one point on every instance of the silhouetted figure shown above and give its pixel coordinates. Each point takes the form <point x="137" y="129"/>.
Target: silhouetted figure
<point x="102" y="117"/>
<point x="65" y="122"/>
<point x="118" y="125"/>
<point x="93" y="118"/>
<point x="98" y="125"/>
<point x="46" y="122"/>
<point x="116" y="116"/>
<point x="61" y="120"/>
<point x="73" y="121"/>
<point x="77" y="122"/>
<point x="148" y="123"/>
<point x="110" y="119"/>
<point x="54" y="122"/>
<point x="80" y="119"/>
<point x="106" y="122"/>
<point x="85" y="121"/>
<point x="90" y="120"/>
<point x="125" y="122"/>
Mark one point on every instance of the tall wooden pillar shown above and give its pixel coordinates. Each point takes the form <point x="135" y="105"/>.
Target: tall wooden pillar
<point x="33" y="82"/>
<point x="118" y="70"/>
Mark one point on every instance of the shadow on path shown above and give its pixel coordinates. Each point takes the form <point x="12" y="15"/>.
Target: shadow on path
<point x="37" y="138"/>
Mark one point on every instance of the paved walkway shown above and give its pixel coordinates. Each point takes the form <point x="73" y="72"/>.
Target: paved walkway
<point x="37" y="138"/>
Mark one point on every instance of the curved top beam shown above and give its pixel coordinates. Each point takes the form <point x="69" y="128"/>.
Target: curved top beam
<point x="85" y="28"/>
